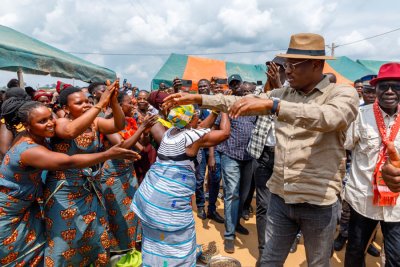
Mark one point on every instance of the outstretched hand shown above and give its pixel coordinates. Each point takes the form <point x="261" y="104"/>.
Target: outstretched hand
<point x="149" y="121"/>
<point x="118" y="152"/>
<point x="178" y="99"/>
<point x="250" y="106"/>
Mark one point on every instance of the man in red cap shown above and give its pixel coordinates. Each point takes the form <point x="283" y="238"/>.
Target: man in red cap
<point x="371" y="202"/>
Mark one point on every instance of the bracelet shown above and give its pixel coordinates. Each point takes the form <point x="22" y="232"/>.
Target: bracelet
<point x="98" y="107"/>
<point x="275" y="103"/>
<point x="215" y="112"/>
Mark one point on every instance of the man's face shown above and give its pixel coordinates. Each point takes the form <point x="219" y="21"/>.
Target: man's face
<point x="234" y="86"/>
<point x="359" y="87"/>
<point x="203" y="88"/>
<point x="388" y="93"/>
<point x="299" y="72"/>
<point x="162" y="87"/>
<point x="217" y="89"/>
<point x="142" y="102"/>
<point x="246" y="89"/>
<point x="369" y="95"/>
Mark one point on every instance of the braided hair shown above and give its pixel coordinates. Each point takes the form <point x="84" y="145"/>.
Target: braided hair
<point x="16" y="110"/>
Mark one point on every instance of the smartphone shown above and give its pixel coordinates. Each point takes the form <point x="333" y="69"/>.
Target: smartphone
<point x="187" y="83"/>
<point x="221" y="81"/>
<point x="124" y="82"/>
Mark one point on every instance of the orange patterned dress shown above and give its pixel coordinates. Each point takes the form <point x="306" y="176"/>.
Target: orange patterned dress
<point x="21" y="224"/>
<point x="119" y="184"/>
<point x="75" y="216"/>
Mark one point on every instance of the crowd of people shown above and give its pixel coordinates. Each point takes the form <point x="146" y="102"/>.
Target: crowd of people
<point x="93" y="173"/>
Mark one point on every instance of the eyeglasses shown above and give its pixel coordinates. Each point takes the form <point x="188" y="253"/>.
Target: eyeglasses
<point x="386" y="86"/>
<point x="292" y="66"/>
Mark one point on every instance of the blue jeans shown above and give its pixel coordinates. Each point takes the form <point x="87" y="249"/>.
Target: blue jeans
<point x="317" y="223"/>
<point x="215" y="179"/>
<point x="232" y="172"/>
<point x="360" y="231"/>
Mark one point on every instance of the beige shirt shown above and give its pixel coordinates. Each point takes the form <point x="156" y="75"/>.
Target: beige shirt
<point x="310" y="133"/>
<point x="364" y="140"/>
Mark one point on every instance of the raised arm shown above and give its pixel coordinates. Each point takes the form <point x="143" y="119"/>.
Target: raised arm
<point x="53" y="161"/>
<point x="148" y="122"/>
<point x="215" y="137"/>
<point x="117" y="122"/>
<point x="67" y="129"/>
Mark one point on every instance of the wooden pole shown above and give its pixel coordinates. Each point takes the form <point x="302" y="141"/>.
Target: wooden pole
<point x="20" y="78"/>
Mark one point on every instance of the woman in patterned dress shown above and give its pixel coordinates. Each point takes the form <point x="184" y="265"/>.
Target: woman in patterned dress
<point x="22" y="228"/>
<point x="119" y="183"/>
<point x="162" y="201"/>
<point x="75" y="215"/>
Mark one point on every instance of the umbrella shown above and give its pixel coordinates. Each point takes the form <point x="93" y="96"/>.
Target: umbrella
<point x="19" y="52"/>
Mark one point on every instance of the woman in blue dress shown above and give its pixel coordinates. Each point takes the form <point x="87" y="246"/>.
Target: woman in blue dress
<point x="119" y="183"/>
<point x="75" y="213"/>
<point x="162" y="201"/>
<point x="21" y="218"/>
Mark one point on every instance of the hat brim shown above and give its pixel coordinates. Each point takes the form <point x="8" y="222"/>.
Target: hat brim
<point x="374" y="81"/>
<point x="304" y="56"/>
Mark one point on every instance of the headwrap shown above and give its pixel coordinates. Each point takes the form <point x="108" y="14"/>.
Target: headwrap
<point x="61" y="86"/>
<point x="156" y="98"/>
<point x="181" y="116"/>
<point x="41" y="93"/>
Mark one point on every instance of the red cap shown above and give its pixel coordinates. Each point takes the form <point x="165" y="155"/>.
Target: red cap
<point x="388" y="71"/>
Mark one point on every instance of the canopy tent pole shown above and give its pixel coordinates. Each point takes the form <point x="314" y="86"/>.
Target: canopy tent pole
<point x="20" y="78"/>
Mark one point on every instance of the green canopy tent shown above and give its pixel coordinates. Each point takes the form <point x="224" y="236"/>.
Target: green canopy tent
<point x="196" y="68"/>
<point x="21" y="53"/>
<point x="372" y="65"/>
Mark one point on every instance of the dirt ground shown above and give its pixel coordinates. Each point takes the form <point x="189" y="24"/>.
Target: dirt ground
<point x="246" y="250"/>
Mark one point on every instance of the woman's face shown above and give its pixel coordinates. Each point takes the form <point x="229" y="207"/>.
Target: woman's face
<point x="44" y="99"/>
<point x="41" y="122"/>
<point x="127" y="106"/>
<point x="77" y="104"/>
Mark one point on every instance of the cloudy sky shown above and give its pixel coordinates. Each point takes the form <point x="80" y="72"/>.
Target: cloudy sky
<point x="157" y="28"/>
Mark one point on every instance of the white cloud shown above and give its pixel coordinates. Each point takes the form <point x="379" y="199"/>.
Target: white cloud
<point x="244" y="19"/>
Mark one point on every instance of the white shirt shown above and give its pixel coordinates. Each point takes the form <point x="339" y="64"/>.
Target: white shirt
<point x="364" y="140"/>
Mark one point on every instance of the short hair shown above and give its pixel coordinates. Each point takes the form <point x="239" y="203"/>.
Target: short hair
<point x="121" y="96"/>
<point x="144" y="91"/>
<point x="93" y="86"/>
<point x="13" y="83"/>
<point x="63" y="99"/>
<point x="357" y="81"/>
<point x="204" y="80"/>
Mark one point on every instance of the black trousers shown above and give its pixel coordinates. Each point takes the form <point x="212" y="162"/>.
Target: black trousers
<point x="262" y="172"/>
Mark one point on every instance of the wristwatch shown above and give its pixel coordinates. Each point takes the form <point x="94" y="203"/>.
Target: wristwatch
<point x="275" y="103"/>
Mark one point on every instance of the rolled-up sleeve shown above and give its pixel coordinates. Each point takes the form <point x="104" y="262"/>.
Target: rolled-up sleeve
<point x="219" y="102"/>
<point x="336" y="114"/>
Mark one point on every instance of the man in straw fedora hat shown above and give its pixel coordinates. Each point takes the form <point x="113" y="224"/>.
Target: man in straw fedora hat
<point x="311" y="118"/>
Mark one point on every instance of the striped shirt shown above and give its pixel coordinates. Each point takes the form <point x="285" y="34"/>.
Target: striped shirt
<point x="173" y="147"/>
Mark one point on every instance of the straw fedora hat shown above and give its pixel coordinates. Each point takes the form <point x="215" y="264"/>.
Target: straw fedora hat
<point x="307" y="46"/>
